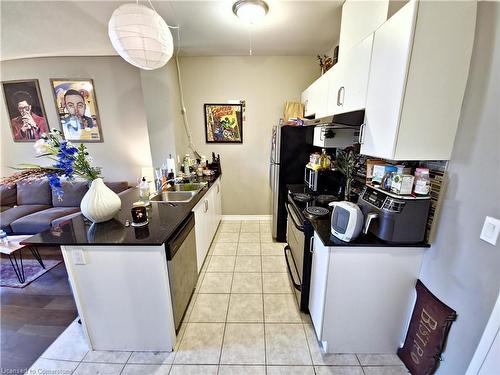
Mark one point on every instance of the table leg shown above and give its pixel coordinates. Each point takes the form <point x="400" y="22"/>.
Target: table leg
<point x="18" y="270"/>
<point x="37" y="255"/>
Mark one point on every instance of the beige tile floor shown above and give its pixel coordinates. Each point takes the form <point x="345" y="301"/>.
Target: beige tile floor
<point x="242" y="320"/>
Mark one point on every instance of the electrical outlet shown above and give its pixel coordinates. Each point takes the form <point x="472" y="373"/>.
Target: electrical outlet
<point x="78" y="256"/>
<point x="491" y="229"/>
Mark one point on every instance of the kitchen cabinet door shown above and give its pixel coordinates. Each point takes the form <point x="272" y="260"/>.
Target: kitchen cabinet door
<point x="212" y="215"/>
<point x="359" y="19"/>
<point x="317" y="291"/>
<point x="218" y="203"/>
<point x="354" y="82"/>
<point x="389" y="65"/>
<point x="418" y="74"/>
<point x="334" y="77"/>
<point x="315" y="98"/>
<point x="202" y="230"/>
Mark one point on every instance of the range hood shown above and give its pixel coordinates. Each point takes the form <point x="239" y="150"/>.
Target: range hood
<point x="340" y="120"/>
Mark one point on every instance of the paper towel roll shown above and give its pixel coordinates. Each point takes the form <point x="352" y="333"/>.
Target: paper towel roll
<point x="171" y="166"/>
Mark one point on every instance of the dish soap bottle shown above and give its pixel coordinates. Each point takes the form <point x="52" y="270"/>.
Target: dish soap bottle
<point x="186" y="165"/>
<point x="144" y="191"/>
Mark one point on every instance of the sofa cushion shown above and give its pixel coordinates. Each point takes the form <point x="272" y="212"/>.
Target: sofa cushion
<point x="7" y="217"/>
<point x="117" y="187"/>
<point x="8" y="195"/>
<point x="73" y="194"/>
<point x="34" y="192"/>
<point x="40" y="221"/>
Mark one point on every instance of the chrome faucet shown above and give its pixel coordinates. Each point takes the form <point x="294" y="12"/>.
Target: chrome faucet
<point x="165" y="183"/>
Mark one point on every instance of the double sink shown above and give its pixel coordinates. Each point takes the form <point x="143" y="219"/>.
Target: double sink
<point x="179" y="193"/>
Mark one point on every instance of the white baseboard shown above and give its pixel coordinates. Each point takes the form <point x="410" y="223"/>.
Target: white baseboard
<point x="246" y="217"/>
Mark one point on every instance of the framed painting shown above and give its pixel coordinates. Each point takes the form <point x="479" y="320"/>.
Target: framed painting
<point x="224" y="123"/>
<point x="76" y="106"/>
<point x="24" y="104"/>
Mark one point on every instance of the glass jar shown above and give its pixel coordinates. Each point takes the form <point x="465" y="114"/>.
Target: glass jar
<point x="390" y="172"/>
<point x="422" y="182"/>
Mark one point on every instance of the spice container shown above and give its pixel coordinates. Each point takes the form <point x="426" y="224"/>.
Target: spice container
<point x="402" y="184"/>
<point x="422" y="182"/>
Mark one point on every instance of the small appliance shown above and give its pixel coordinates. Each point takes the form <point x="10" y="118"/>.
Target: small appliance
<point x="394" y="218"/>
<point x="347" y="220"/>
<point x="324" y="180"/>
<point x="338" y="131"/>
<point x="335" y="136"/>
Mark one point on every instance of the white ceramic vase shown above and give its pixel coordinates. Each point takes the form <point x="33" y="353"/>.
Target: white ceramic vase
<point x="100" y="203"/>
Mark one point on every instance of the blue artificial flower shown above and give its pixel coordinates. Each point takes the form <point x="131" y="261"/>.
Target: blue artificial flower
<point x="55" y="183"/>
<point x="68" y="149"/>
<point x="66" y="159"/>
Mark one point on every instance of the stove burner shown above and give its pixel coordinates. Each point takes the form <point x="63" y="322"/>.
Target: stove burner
<point x="302" y="197"/>
<point x="314" y="212"/>
<point x="326" y="198"/>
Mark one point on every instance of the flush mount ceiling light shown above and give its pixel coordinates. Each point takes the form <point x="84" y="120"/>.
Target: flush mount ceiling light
<point x="250" y="11"/>
<point x="140" y="36"/>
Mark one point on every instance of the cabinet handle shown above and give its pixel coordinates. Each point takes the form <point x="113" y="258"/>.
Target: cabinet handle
<point x="218" y="188"/>
<point x="342" y="90"/>
<point x="311" y="244"/>
<point x="361" y="135"/>
<point x="206" y="205"/>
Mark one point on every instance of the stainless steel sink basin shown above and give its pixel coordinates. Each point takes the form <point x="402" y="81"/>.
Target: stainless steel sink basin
<point x="174" y="196"/>
<point x="180" y="193"/>
<point x="195" y="186"/>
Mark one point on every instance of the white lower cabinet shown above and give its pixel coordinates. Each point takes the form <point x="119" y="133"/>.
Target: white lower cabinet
<point x="207" y="215"/>
<point x="361" y="298"/>
<point x="317" y="291"/>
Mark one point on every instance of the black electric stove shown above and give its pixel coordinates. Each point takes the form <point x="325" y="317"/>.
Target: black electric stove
<point x="303" y="208"/>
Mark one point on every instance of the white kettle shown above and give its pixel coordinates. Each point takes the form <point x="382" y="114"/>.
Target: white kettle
<point x="347" y="220"/>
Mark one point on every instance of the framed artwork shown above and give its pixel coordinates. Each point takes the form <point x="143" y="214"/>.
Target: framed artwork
<point x="76" y="106"/>
<point x="23" y="101"/>
<point x="224" y="123"/>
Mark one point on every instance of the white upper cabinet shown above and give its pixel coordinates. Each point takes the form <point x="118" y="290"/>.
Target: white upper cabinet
<point x="418" y="73"/>
<point x="348" y="80"/>
<point x="360" y="19"/>
<point x="315" y="98"/>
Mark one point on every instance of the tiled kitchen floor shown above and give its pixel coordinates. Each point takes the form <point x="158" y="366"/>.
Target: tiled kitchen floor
<point x="242" y="319"/>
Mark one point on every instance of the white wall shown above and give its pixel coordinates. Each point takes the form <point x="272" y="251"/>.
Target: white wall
<point x="265" y="83"/>
<point x="121" y="108"/>
<point x="462" y="270"/>
<point x="163" y="110"/>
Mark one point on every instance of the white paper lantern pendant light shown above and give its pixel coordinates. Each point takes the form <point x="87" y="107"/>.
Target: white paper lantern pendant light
<point x="140" y="36"/>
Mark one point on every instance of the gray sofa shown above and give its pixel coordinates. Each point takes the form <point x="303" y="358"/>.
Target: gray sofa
<point x="29" y="208"/>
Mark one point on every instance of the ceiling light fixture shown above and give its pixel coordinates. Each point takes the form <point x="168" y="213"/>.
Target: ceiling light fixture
<point x="140" y="36"/>
<point x="250" y="11"/>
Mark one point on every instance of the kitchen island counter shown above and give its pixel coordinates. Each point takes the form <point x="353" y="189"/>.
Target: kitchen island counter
<point x="164" y="219"/>
<point x="132" y="284"/>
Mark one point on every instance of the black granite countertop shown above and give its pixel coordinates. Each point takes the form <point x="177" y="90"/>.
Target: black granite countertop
<point x="323" y="227"/>
<point x="163" y="218"/>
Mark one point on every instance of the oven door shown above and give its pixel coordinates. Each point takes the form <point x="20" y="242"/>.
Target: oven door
<point x="294" y="250"/>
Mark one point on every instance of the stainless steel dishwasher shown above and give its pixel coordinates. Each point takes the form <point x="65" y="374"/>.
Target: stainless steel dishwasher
<point x="182" y="268"/>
